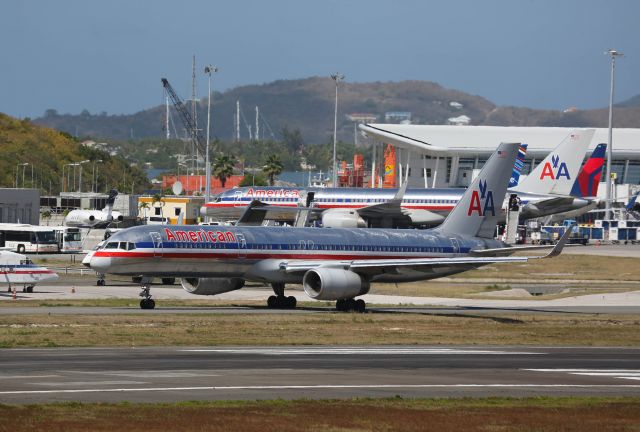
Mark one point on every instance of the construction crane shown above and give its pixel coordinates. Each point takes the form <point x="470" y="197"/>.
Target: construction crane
<point x="185" y="116"/>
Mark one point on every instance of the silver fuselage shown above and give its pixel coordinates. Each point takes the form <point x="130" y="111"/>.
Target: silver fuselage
<point x="256" y="253"/>
<point x="232" y="203"/>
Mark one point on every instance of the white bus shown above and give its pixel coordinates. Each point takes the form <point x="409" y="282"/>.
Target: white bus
<point x="69" y="239"/>
<point x="28" y="238"/>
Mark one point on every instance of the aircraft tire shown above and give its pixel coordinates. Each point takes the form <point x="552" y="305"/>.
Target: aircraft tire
<point x="291" y="302"/>
<point x="272" y="301"/>
<point x="30" y="289"/>
<point x="360" y="305"/>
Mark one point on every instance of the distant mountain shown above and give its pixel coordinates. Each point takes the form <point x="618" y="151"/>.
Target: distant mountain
<point x="308" y="104"/>
<point x="631" y="102"/>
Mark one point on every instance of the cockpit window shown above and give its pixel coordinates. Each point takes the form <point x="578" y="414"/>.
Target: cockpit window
<point x="131" y="246"/>
<point x="111" y="245"/>
<point x="123" y="245"/>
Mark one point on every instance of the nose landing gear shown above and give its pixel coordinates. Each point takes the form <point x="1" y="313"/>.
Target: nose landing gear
<point x="147" y="302"/>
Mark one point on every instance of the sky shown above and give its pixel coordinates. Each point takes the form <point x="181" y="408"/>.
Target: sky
<point x="109" y="56"/>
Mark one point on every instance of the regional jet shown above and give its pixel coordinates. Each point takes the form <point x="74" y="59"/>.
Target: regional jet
<point x="95" y="218"/>
<point x="547" y="190"/>
<point x="331" y="263"/>
<point x="17" y="269"/>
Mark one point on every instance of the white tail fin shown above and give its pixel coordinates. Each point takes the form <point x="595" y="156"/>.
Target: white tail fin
<point x="558" y="171"/>
<point x="476" y="214"/>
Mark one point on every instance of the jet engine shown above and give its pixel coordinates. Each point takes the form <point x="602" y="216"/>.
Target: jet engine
<point x="424" y="217"/>
<point x="333" y="284"/>
<point x="342" y="218"/>
<point x="211" y="286"/>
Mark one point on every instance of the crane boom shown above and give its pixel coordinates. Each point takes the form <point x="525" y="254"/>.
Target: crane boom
<point x="185" y="116"/>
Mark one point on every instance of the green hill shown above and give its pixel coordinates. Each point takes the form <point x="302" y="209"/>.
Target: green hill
<point x="46" y="151"/>
<point x="307" y="105"/>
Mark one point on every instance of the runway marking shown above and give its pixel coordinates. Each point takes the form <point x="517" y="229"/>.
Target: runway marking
<point x="86" y="383"/>
<point x="628" y="374"/>
<point x="361" y="351"/>
<point x="323" y="387"/>
<point x="28" y="376"/>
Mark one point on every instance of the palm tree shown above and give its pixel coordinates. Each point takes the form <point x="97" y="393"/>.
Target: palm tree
<point x="223" y="167"/>
<point x="272" y="168"/>
<point x="144" y="206"/>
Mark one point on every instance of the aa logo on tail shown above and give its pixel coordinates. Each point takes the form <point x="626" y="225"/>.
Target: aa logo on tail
<point x="482" y="201"/>
<point x="559" y="169"/>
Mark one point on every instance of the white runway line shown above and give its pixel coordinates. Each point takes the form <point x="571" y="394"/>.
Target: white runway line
<point x="628" y="374"/>
<point x="357" y="351"/>
<point x="329" y="387"/>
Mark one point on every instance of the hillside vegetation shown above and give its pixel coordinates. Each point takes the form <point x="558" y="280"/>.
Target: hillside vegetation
<point x="46" y="151"/>
<point x="307" y="105"/>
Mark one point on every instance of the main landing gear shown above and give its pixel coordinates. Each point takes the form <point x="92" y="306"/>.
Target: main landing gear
<point x="147" y="302"/>
<point x="280" y="301"/>
<point x="348" y="305"/>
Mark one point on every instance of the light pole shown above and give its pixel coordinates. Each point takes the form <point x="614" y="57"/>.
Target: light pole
<point x="613" y="54"/>
<point x="24" y="165"/>
<point x="336" y="78"/>
<point x="72" y="164"/>
<point x="94" y="177"/>
<point x="80" y="174"/>
<point x="208" y="70"/>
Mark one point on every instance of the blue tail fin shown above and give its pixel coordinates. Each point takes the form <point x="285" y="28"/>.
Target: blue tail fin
<point x="517" y="166"/>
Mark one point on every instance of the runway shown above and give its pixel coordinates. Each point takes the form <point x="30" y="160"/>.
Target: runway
<point x="206" y="373"/>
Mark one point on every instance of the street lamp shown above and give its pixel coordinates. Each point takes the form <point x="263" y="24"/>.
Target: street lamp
<point x="24" y="165"/>
<point x="208" y="70"/>
<point x="80" y="175"/>
<point x="17" y="170"/>
<point x="336" y="78"/>
<point x="94" y="176"/>
<point x="613" y="54"/>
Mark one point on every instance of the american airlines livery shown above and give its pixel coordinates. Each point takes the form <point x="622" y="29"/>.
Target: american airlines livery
<point x="545" y="191"/>
<point x="17" y="269"/>
<point x="331" y="263"/>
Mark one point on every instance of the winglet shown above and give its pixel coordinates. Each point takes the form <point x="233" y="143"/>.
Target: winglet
<point x="400" y="194"/>
<point x="557" y="249"/>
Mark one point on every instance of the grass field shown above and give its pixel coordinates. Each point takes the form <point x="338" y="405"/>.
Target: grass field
<point x="330" y="328"/>
<point x="444" y="415"/>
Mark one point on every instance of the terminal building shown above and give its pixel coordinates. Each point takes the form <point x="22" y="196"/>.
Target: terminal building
<point x="446" y="156"/>
<point x="20" y="206"/>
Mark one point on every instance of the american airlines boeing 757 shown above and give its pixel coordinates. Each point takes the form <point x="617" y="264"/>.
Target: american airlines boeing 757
<point x="332" y="263"/>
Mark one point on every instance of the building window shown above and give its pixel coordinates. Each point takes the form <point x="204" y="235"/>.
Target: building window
<point x="177" y="211"/>
<point x="157" y="211"/>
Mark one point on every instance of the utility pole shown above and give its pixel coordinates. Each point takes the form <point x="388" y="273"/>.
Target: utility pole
<point x="237" y="121"/>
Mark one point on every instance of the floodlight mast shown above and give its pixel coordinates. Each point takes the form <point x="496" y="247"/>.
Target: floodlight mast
<point x="337" y="77"/>
<point x="613" y="54"/>
<point x="208" y="70"/>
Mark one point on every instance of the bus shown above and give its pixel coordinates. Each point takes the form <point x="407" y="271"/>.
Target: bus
<point x="69" y="239"/>
<point x="28" y="238"/>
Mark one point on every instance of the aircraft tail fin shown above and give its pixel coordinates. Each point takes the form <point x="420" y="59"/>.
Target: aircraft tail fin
<point x="476" y="214"/>
<point x="517" y="166"/>
<point x="109" y="205"/>
<point x="632" y="202"/>
<point x="586" y="184"/>
<point x="557" y="172"/>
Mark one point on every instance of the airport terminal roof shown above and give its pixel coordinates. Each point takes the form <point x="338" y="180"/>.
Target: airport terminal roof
<point x="471" y="141"/>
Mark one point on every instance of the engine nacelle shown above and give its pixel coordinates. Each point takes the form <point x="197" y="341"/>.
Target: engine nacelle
<point x="211" y="286"/>
<point x="342" y="218"/>
<point x="333" y="284"/>
<point x="424" y="217"/>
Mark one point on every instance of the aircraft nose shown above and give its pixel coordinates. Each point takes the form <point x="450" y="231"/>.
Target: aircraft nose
<point x="99" y="264"/>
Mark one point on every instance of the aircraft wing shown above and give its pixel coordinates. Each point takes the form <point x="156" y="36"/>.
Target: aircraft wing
<point x="554" y="202"/>
<point x="555" y="251"/>
<point x="385" y="264"/>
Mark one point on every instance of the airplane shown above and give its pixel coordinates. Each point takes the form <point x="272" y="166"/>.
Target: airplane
<point x="545" y="191"/>
<point x="332" y="264"/>
<point x="95" y="218"/>
<point x="17" y="269"/>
